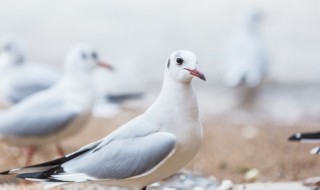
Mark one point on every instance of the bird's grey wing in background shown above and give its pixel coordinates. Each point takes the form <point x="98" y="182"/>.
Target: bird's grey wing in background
<point x="119" y="98"/>
<point x="27" y="81"/>
<point x="111" y="161"/>
<point x="32" y="120"/>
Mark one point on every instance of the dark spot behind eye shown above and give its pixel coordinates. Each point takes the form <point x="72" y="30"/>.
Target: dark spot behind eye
<point x="94" y="55"/>
<point x="168" y="63"/>
<point x="179" y="61"/>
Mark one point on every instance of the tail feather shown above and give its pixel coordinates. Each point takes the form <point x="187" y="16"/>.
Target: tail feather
<point x="44" y="166"/>
<point x="46" y="176"/>
<point x="119" y="98"/>
<point x="315" y="150"/>
<point x="305" y="137"/>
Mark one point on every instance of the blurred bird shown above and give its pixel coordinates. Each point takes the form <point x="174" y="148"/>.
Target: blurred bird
<point x="146" y="149"/>
<point x="107" y="106"/>
<point x="245" y="58"/>
<point x="312" y="137"/>
<point x="19" y="78"/>
<point x="59" y="111"/>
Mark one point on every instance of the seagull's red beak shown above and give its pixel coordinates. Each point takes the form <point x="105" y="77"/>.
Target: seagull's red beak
<point x="196" y="73"/>
<point x="105" y="65"/>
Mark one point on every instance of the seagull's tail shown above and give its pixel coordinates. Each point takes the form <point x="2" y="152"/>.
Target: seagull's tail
<point x="43" y="172"/>
<point x="315" y="150"/>
<point x="43" y="166"/>
<point x="119" y="98"/>
<point x="305" y="137"/>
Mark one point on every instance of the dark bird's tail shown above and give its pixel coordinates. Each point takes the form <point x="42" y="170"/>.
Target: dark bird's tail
<point x="305" y="137"/>
<point x="119" y="98"/>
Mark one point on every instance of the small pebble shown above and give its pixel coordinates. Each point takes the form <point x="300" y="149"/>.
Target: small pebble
<point x="226" y="185"/>
<point x="198" y="188"/>
<point x="157" y="184"/>
<point x="169" y="188"/>
<point x="313" y="181"/>
<point x="252" y="175"/>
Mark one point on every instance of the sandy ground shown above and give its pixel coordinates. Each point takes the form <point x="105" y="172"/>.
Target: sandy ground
<point x="228" y="151"/>
<point x="271" y="186"/>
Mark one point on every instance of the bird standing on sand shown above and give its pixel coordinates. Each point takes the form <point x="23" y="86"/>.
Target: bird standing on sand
<point x="146" y="149"/>
<point x="57" y="112"/>
<point x="245" y="59"/>
<point x="18" y="77"/>
<point x="311" y="137"/>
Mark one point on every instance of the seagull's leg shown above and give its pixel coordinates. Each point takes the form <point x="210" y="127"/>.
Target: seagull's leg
<point x="60" y="150"/>
<point x="30" y="153"/>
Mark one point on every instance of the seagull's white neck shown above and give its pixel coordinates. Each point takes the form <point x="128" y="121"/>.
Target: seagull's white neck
<point x="172" y="89"/>
<point x="78" y="81"/>
<point x="176" y="98"/>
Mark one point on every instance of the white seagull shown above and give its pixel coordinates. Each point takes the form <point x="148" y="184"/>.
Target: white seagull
<point x="18" y="77"/>
<point x="245" y="60"/>
<point x="144" y="150"/>
<point x="311" y="137"/>
<point x="245" y="54"/>
<point x="57" y="112"/>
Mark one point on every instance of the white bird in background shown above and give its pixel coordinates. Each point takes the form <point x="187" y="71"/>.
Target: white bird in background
<point x="59" y="111"/>
<point x="245" y="57"/>
<point x="146" y="149"/>
<point x="311" y="137"/>
<point x="18" y="77"/>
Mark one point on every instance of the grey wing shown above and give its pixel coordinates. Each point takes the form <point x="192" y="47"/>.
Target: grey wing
<point x="40" y="119"/>
<point x="21" y="91"/>
<point x="28" y="84"/>
<point x="121" y="158"/>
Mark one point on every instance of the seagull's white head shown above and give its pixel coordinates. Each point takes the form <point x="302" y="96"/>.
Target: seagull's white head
<point x="82" y="59"/>
<point x="252" y="19"/>
<point x="11" y="51"/>
<point x="182" y="66"/>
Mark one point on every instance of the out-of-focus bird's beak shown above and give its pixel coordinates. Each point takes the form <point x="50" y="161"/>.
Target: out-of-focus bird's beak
<point x="196" y="73"/>
<point x="105" y="65"/>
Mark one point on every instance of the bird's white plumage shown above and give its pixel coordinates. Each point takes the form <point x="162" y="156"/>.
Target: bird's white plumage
<point x="245" y="54"/>
<point x="148" y="148"/>
<point x="61" y="110"/>
<point x="18" y="77"/>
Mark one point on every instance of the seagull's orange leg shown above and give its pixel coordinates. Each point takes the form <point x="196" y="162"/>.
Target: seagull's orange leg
<point x="60" y="150"/>
<point x="30" y="152"/>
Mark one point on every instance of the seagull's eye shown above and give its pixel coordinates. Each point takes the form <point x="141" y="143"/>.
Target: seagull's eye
<point x="83" y="56"/>
<point x="94" y="55"/>
<point x="179" y="61"/>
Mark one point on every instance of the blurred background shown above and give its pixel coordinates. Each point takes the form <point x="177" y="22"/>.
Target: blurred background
<point x="138" y="36"/>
